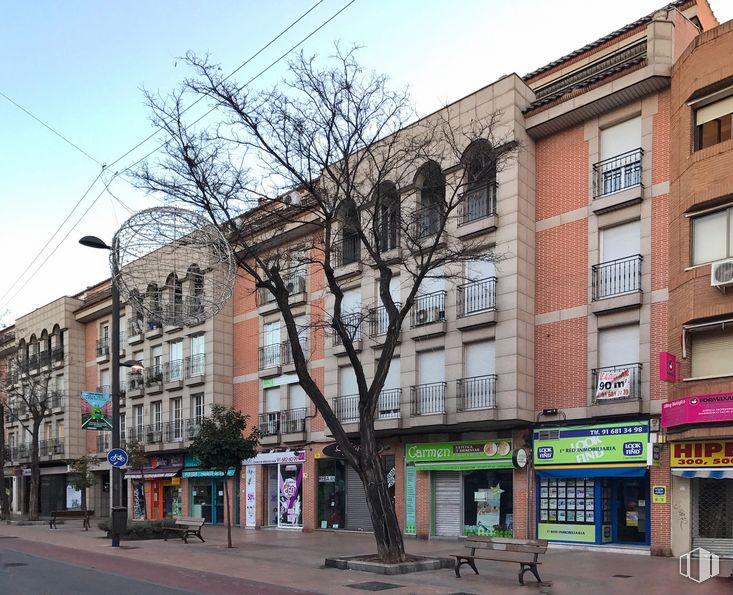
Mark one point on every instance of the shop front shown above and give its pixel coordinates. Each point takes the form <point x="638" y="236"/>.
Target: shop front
<point x="283" y="488"/>
<point x="470" y="487"/>
<point x="156" y="489"/>
<point x="708" y="467"/>
<point x="341" y="500"/>
<point x="592" y="483"/>
<point x="206" y="493"/>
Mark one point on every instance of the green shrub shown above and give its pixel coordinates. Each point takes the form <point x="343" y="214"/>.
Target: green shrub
<point x="137" y="530"/>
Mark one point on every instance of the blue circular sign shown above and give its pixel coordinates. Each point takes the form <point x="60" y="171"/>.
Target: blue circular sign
<point x="117" y="457"/>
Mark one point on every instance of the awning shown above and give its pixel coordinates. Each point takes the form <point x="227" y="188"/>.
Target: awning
<point x="725" y="473"/>
<point x="567" y="471"/>
<point x="462" y="465"/>
<point x="157" y="473"/>
<point x="196" y="472"/>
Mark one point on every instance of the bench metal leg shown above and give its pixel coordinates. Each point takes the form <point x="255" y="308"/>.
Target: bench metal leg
<point x="460" y="560"/>
<point x="198" y="534"/>
<point x="524" y="567"/>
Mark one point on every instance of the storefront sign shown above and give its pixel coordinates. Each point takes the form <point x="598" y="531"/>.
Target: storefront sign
<point x="273" y="458"/>
<point x="250" y="481"/>
<point x="566" y="532"/>
<point x="659" y="494"/>
<point x="96" y="411"/>
<point x="473" y="450"/>
<point x="699" y="409"/>
<point x="519" y="458"/>
<point x="613" y="384"/>
<point x="280" y="380"/>
<point x="592" y="445"/>
<point x="710" y="453"/>
<point x="208" y="473"/>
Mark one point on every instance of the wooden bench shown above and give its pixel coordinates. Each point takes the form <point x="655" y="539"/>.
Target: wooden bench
<point x="518" y="551"/>
<point x="186" y="526"/>
<point x="70" y="514"/>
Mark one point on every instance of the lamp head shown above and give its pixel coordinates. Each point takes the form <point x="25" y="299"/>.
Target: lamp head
<point x="94" y="242"/>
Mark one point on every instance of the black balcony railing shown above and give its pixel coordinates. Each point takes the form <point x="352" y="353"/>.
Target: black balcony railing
<point x="136" y="326"/>
<point x="353" y="323"/>
<point x="478" y="203"/>
<point x="294" y="283"/>
<point x="269" y="356"/>
<point x="173" y="371"/>
<point x="165" y="431"/>
<point x="102" y="347"/>
<point x="476" y="297"/>
<point x="33" y="362"/>
<point x="269" y="423"/>
<point x="153" y="374"/>
<point x="44" y="358"/>
<point x="478" y="392"/>
<point x="427" y="399"/>
<point x="428" y="308"/>
<point x="195" y="365"/>
<point x="174" y="431"/>
<point x="616" y="383"/>
<point x="379" y="321"/>
<point x="293" y="420"/>
<point x="347" y="408"/>
<point x="154" y="433"/>
<point x="193" y="305"/>
<point x="617" y="277"/>
<point x="347" y="250"/>
<point x="50" y="447"/>
<point x="135" y="380"/>
<point x="427" y="221"/>
<point x="286" y="354"/>
<point x="617" y="173"/>
<point x="174" y="311"/>
<point x="57" y="354"/>
<point x="388" y="404"/>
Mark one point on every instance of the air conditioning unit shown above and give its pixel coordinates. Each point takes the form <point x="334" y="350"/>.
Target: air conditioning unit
<point x="721" y="274"/>
<point x="421" y="316"/>
<point x="292" y="199"/>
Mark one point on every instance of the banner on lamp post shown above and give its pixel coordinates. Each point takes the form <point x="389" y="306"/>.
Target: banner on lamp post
<point x="96" y="411"/>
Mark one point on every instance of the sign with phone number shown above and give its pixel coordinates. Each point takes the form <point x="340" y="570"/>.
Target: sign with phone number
<point x="709" y="453"/>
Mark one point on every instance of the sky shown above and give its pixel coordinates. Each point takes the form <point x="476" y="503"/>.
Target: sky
<point x="80" y="67"/>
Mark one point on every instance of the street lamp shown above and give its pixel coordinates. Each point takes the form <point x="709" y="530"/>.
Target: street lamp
<point x="119" y="512"/>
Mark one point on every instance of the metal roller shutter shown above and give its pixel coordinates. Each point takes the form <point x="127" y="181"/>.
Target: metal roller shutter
<point x="357" y="511"/>
<point x="712" y="515"/>
<point x="447" y="503"/>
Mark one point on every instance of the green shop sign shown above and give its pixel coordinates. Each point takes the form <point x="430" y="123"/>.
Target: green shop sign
<point x="460" y="456"/>
<point x="566" y="532"/>
<point x="592" y="445"/>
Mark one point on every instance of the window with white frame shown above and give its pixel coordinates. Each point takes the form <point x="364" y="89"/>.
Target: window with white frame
<point x="176" y="417"/>
<point x="175" y="360"/>
<point x="270" y="422"/>
<point x="297" y="398"/>
<point x="156" y="415"/>
<point x="123" y="425"/>
<point x="477" y="293"/>
<point x="196" y="363"/>
<point x="620" y="158"/>
<point x="197" y="408"/>
<point x="347" y="405"/>
<point x="713" y="122"/>
<point x="388" y="405"/>
<point x="712" y="236"/>
<point x="712" y="353"/>
<point x="138" y="416"/>
<point x="429" y="394"/>
<point x="618" y="346"/>
<point x="156" y="362"/>
<point x="270" y="350"/>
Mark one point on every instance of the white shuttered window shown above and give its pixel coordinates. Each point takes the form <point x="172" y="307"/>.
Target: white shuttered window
<point x="712" y="353"/>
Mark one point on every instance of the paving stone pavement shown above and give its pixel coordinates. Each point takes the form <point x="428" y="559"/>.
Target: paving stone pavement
<point x="294" y="559"/>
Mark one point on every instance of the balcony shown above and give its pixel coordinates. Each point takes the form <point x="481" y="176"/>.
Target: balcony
<point x="616" y="389"/>
<point x="57" y="355"/>
<point x="478" y="392"/>
<point x="154" y="329"/>
<point x="174" y="431"/>
<point x="427" y="399"/>
<point x="269" y="427"/>
<point x="135" y="384"/>
<point x="294" y="283"/>
<point x="44" y="358"/>
<point x="49" y="447"/>
<point x="347" y="256"/>
<point x="429" y="309"/>
<point x="154" y="379"/>
<point x="269" y="360"/>
<point x="617" y="284"/>
<point x="195" y="369"/>
<point x="617" y="181"/>
<point x="427" y="222"/>
<point x="102" y="350"/>
<point x="286" y="353"/>
<point x="353" y="323"/>
<point x="292" y="424"/>
<point x="104" y="441"/>
<point x="194" y="309"/>
<point x="477" y="211"/>
<point x="135" y="331"/>
<point x="173" y="374"/>
<point x="476" y="303"/>
<point x="56" y="399"/>
<point x="379" y="321"/>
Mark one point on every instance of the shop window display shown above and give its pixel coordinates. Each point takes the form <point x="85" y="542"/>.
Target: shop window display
<point x="488" y="503"/>
<point x="567" y="501"/>
<point x="331" y="494"/>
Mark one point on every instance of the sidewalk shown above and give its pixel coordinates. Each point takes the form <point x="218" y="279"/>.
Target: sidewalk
<point x="295" y="559"/>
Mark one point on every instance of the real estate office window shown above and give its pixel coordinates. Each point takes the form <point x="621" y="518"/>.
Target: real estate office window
<point x="712" y="236"/>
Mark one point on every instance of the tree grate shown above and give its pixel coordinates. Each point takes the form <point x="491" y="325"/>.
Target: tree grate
<point x="374" y="586"/>
<point x="621" y="576"/>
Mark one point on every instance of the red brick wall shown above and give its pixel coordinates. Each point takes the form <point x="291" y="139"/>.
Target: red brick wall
<point x="562" y="267"/>
<point x="520" y="489"/>
<point x="659" y="324"/>
<point x="422" y="505"/>
<point x="246" y="398"/>
<point x="661" y="514"/>
<point x="661" y="139"/>
<point x="561" y="364"/>
<point x="246" y="343"/>
<point x="562" y="173"/>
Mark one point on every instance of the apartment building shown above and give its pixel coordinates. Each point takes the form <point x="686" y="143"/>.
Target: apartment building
<point x="696" y="419"/>
<point x="43" y="358"/>
<point x="186" y="369"/>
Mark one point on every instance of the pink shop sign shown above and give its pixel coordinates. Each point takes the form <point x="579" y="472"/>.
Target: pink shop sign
<point x="699" y="409"/>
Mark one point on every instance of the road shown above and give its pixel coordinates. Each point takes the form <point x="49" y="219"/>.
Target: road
<point x="28" y="567"/>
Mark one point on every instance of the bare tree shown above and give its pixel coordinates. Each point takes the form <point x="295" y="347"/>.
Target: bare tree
<point x="334" y="152"/>
<point x="30" y="395"/>
<point x="7" y="340"/>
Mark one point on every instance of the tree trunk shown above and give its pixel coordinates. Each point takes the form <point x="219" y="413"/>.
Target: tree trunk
<point x="387" y="533"/>
<point x="4" y="500"/>
<point x="228" y="509"/>
<point x="83" y="498"/>
<point x="33" y="503"/>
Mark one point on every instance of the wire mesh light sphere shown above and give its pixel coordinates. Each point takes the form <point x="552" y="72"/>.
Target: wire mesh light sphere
<point x="173" y="266"/>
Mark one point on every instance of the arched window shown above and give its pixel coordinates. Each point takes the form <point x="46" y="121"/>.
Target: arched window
<point x="430" y="212"/>
<point x="348" y="249"/>
<point x="479" y="200"/>
<point x="135" y="326"/>
<point x="45" y="348"/>
<point x="33" y="361"/>
<point x="152" y="296"/>
<point x="387" y="202"/>
<point x="174" y="296"/>
<point x="194" y="300"/>
<point x="23" y="355"/>
<point x="57" y="344"/>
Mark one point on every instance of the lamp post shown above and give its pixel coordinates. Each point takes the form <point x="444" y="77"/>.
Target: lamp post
<point x="119" y="512"/>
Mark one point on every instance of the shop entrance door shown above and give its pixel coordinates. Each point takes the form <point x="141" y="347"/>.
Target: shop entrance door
<point x="630" y="506"/>
<point x="218" y="501"/>
<point x="447" y="497"/>
<point x="272" y="495"/>
<point x="290" y="510"/>
<point x="712" y="515"/>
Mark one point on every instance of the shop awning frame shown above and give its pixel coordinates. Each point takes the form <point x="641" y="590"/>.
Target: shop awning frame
<point x="158" y="473"/>
<point x="462" y="465"/>
<point x="568" y="471"/>
<point x="704" y="473"/>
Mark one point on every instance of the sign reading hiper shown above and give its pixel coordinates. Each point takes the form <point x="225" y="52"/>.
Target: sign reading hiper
<point x="459" y="451"/>
<point x="710" y="453"/>
<point x="613" y="384"/>
<point x="96" y="411"/>
<point x="593" y="445"/>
